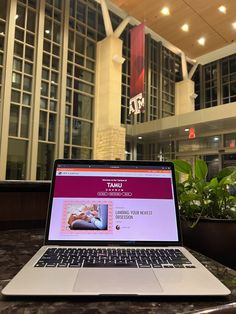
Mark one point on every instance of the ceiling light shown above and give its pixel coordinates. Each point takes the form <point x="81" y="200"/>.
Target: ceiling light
<point x="222" y="9"/>
<point x="216" y="139"/>
<point x="185" y="27"/>
<point x="186" y="130"/>
<point x="47" y="31"/>
<point x="201" y="41"/>
<point x="165" y="11"/>
<point x="234" y="25"/>
<point x="140" y="138"/>
<point x="16" y="17"/>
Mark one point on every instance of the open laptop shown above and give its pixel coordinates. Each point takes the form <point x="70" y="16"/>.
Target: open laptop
<point x="113" y="229"/>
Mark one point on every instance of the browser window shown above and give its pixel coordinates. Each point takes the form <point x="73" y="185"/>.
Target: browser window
<point x="125" y="203"/>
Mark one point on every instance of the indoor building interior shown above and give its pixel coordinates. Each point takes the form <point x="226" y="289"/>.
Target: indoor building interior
<point x="65" y="84"/>
<point x="51" y="106"/>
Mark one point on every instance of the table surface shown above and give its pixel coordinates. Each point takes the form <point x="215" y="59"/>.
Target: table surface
<point x="18" y="246"/>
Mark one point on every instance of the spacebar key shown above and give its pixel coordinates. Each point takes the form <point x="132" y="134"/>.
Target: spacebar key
<point x="110" y="264"/>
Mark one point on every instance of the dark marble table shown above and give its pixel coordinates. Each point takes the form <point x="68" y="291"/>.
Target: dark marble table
<point x="17" y="246"/>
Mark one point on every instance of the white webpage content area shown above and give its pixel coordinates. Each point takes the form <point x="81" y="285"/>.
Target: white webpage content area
<point x="113" y="205"/>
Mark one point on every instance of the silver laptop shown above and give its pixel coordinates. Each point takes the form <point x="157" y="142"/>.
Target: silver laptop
<point x="113" y="229"/>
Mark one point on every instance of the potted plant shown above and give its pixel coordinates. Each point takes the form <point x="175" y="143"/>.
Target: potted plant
<point x="208" y="210"/>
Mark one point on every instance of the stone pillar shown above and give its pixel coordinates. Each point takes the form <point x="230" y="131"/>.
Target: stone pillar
<point x="184" y="97"/>
<point x="109" y="136"/>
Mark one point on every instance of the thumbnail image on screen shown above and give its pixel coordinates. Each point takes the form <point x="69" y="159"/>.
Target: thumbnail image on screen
<point x="88" y="217"/>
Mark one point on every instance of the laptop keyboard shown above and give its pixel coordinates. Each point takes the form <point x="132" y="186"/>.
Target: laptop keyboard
<point x="131" y="258"/>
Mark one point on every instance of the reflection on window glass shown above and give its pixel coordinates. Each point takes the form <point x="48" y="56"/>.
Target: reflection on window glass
<point x="17" y="64"/>
<point x="29" y="53"/>
<point x="44" y="89"/>
<point x="45" y="161"/>
<point x="28" y="68"/>
<point x="18" y="49"/>
<point x="26" y="99"/>
<point x="42" y="125"/>
<point x="16" y="80"/>
<point x="43" y="103"/>
<point x="81" y="133"/>
<point x="81" y="153"/>
<point x="14" y="120"/>
<point x="15" y="96"/>
<point x="27" y="83"/>
<point x="16" y="159"/>
<point x="31" y="20"/>
<point x="3" y="9"/>
<point x="25" y="122"/>
<point x="20" y="16"/>
<point x="67" y="130"/>
<point x="52" y="127"/>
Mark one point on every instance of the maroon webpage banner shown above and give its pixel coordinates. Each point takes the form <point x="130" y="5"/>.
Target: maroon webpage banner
<point x="137" y="69"/>
<point x="113" y="187"/>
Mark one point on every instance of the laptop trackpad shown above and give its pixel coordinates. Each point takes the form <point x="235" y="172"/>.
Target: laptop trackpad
<point x="116" y="281"/>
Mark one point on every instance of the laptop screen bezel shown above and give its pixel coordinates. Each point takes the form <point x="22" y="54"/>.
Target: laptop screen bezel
<point x="108" y="242"/>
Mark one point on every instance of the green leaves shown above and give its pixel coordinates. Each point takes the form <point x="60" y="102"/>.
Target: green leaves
<point x="201" y="169"/>
<point x="200" y="198"/>
<point x="182" y="166"/>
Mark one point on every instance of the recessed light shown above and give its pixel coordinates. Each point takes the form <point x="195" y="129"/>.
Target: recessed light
<point x="222" y="9"/>
<point x="234" y="25"/>
<point x="201" y="41"/>
<point x="165" y="11"/>
<point x="185" y="27"/>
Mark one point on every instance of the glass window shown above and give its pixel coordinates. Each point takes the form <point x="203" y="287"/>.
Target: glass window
<point x="53" y="105"/>
<point x="25" y="122"/>
<point x="81" y="153"/>
<point x="79" y="44"/>
<point x="45" y="161"/>
<point x="20" y="16"/>
<point x="91" y="49"/>
<point x="14" y="120"/>
<point x="67" y="130"/>
<point x="16" y="80"/>
<point x="47" y="46"/>
<point x="57" y="33"/>
<point x="43" y="103"/>
<point x="81" y="12"/>
<point x="19" y="34"/>
<point x="52" y="126"/>
<point x="48" y="28"/>
<point x="42" y="125"/>
<point x="55" y="63"/>
<point x="27" y="83"/>
<point x="30" y="39"/>
<point x="15" y="96"/>
<point x="16" y="159"/>
<point x="44" y="89"/>
<point x="3" y="9"/>
<point x="26" y="99"/>
<point x="81" y="133"/>
<point x="18" y="49"/>
<point x="31" y="20"/>
<point x="29" y="53"/>
<point x="45" y="74"/>
<point x="82" y="106"/>
<point x="17" y="64"/>
<point x="28" y="68"/>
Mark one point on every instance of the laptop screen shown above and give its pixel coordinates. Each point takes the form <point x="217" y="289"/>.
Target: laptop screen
<point x="119" y="201"/>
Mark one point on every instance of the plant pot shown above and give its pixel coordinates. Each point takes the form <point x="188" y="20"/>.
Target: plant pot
<point x="215" y="238"/>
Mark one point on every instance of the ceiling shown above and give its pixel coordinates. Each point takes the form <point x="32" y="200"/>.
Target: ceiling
<point x="203" y="17"/>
